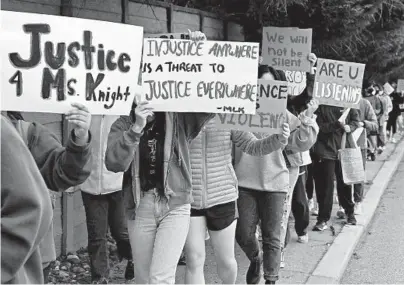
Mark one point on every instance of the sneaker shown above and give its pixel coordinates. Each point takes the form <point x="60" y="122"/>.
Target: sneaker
<point x="254" y="271"/>
<point x="130" y="270"/>
<point x="358" y="208"/>
<point x="320" y="226"/>
<point x="351" y="220"/>
<point x="393" y="140"/>
<point x="303" y="238"/>
<point x="341" y="213"/>
<point x="102" y="280"/>
<point x="282" y="264"/>
<point x="311" y="205"/>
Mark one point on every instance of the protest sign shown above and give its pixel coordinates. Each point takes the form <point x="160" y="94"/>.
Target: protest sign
<point x="200" y="76"/>
<point x="338" y="83"/>
<point x="48" y="62"/>
<point x="296" y="82"/>
<point x="388" y="89"/>
<point x="271" y="111"/>
<point x="171" y="36"/>
<point x="286" y="48"/>
<point x="400" y="85"/>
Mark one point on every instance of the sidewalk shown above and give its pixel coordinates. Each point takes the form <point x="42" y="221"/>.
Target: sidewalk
<point x="301" y="259"/>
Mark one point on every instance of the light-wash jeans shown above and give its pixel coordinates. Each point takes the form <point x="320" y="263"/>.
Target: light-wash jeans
<point x="157" y="236"/>
<point x="293" y="176"/>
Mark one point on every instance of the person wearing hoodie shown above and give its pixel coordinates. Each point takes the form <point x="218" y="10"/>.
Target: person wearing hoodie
<point x="26" y="211"/>
<point x="397" y="99"/>
<point x="371" y="94"/>
<point x="367" y="120"/>
<point x="152" y="149"/>
<point x="327" y="165"/>
<point x="263" y="186"/>
<point x="214" y="191"/>
<point x="61" y="167"/>
<point x="103" y="204"/>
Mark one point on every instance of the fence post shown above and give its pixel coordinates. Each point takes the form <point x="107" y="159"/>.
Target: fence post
<point x="201" y="21"/>
<point x="125" y="11"/>
<point x="170" y="19"/>
<point x="66" y="9"/>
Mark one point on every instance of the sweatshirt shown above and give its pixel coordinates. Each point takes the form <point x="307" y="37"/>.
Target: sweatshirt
<point x="270" y="172"/>
<point x="26" y="211"/>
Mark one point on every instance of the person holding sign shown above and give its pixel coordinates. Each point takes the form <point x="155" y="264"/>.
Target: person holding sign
<point x="26" y="211"/>
<point x="326" y="164"/>
<point x="214" y="191"/>
<point x="61" y="167"/>
<point x="152" y="149"/>
<point x="263" y="186"/>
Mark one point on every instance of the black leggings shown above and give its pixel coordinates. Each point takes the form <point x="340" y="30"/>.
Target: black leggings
<point x="392" y="122"/>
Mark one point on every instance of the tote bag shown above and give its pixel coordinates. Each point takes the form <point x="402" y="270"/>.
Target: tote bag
<point x="351" y="162"/>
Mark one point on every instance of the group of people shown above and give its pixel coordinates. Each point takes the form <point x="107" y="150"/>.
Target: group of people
<point x="165" y="182"/>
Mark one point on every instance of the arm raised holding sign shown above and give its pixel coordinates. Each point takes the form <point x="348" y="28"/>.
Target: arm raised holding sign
<point x="250" y="144"/>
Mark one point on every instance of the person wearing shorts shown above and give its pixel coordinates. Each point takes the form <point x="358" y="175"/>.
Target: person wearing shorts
<point x="214" y="191"/>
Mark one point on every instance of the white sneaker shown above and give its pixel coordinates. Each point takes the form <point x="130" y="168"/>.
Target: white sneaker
<point x="303" y="239"/>
<point x="393" y="140"/>
<point x="341" y="213"/>
<point x="358" y="208"/>
<point x="311" y="205"/>
<point x="314" y="212"/>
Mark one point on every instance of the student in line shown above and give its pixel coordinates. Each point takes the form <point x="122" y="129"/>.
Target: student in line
<point x="152" y="149"/>
<point x="104" y="206"/>
<point x="61" y="167"/>
<point x="327" y="165"/>
<point x="26" y="211"/>
<point x="214" y="191"/>
<point x="263" y="186"/>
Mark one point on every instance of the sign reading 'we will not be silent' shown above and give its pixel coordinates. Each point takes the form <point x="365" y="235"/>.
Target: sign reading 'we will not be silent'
<point x="338" y="83"/>
<point x="271" y="111"/>
<point x="200" y="76"/>
<point x="287" y="48"/>
<point x="48" y="62"/>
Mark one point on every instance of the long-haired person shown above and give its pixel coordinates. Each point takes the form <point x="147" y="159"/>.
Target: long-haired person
<point x="152" y="149"/>
<point x="214" y="190"/>
<point x="263" y="186"/>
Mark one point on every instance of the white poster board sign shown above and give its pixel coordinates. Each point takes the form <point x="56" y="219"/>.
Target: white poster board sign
<point x="297" y="81"/>
<point x="202" y="76"/>
<point x="287" y="48"/>
<point x="388" y="89"/>
<point x="338" y="83"/>
<point x="48" y="62"/>
<point x="271" y="111"/>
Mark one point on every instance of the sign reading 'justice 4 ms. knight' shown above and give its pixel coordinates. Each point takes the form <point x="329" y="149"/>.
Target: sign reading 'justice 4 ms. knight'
<point x="48" y="62"/>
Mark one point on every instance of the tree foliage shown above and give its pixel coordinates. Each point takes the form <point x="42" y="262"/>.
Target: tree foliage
<point x="366" y="31"/>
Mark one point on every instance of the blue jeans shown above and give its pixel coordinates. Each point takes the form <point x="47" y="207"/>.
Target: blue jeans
<point x="157" y="235"/>
<point x="103" y="211"/>
<point x="268" y="207"/>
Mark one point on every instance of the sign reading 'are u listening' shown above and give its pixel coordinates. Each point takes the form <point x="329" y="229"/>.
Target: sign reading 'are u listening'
<point x="48" y="62"/>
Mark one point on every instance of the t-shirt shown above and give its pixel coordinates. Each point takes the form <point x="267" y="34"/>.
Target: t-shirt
<point x="151" y="156"/>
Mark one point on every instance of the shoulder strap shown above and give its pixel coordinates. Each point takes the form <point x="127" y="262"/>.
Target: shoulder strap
<point x="23" y="128"/>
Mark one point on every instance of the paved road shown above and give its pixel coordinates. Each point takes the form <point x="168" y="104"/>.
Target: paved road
<point x="379" y="256"/>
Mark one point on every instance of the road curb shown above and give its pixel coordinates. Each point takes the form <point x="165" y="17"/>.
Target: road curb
<point x="333" y="264"/>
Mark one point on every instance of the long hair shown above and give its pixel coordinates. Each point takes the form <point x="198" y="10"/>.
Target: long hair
<point x="278" y="74"/>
